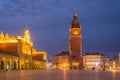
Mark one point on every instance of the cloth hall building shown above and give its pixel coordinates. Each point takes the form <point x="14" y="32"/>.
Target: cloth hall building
<point x="18" y="53"/>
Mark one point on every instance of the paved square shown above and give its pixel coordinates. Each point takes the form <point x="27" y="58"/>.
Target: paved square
<point x="59" y="75"/>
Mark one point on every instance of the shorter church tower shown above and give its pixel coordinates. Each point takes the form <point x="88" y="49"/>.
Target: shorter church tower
<point x="27" y="35"/>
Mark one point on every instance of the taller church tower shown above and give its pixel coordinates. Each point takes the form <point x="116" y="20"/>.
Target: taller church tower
<point x="75" y="44"/>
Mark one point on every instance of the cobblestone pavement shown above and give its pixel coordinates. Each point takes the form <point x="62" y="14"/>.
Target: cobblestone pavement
<point x="59" y="75"/>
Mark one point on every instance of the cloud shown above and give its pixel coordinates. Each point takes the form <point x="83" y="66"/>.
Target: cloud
<point x="13" y="8"/>
<point x="10" y="8"/>
<point x="57" y="3"/>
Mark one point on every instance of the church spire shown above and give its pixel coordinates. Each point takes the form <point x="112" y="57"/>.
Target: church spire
<point x="75" y="14"/>
<point x="75" y="23"/>
<point x="27" y="34"/>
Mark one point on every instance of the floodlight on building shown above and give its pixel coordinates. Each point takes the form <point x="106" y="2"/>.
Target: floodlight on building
<point x="96" y="63"/>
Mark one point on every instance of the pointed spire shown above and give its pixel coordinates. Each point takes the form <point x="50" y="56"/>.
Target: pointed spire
<point x="75" y="22"/>
<point x="75" y="14"/>
<point x="26" y="28"/>
<point x="27" y="34"/>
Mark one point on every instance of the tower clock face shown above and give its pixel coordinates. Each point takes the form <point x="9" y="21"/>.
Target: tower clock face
<point x="75" y="32"/>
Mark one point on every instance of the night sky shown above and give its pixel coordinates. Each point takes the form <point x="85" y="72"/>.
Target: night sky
<point x="49" y="22"/>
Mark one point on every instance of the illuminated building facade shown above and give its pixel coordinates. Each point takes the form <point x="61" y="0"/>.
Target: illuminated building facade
<point x="105" y="62"/>
<point x="96" y="61"/>
<point x="61" y="61"/>
<point x="17" y="53"/>
<point x="75" y="44"/>
<point x="37" y="57"/>
<point x="114" y="63"/>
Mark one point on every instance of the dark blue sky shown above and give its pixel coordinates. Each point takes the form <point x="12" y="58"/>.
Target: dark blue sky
<point x="49" y="22"/>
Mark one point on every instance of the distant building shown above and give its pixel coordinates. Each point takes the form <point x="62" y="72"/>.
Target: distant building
<point x="114" y="63"/>
<point x="97" y="61"/>
<point x="18" y="53"/>
<point x="91" y="61"/>
<point x="61" y="60"/>
<point x="75" y="44"/>
<point x="39" y="56"/>
<point x="105" y="62"/>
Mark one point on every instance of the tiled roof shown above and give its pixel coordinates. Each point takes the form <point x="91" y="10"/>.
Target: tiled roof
<point x="8" y="48"/>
